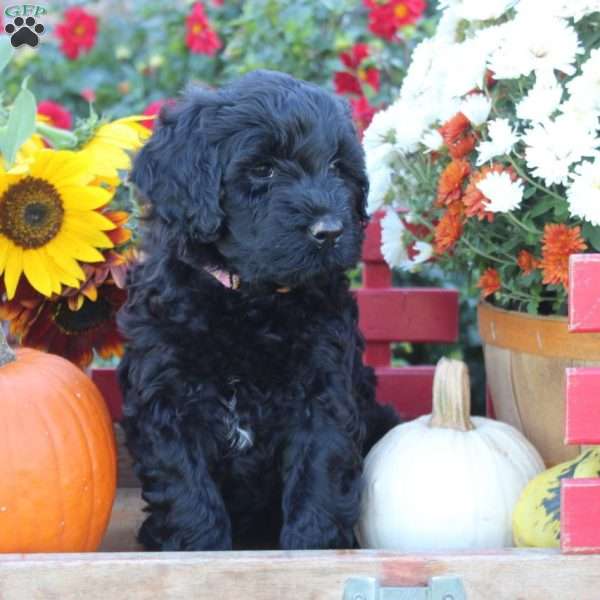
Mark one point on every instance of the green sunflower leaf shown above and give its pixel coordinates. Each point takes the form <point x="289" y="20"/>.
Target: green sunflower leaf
<point x="19" y="127"/>
<point x="6" y="51"/>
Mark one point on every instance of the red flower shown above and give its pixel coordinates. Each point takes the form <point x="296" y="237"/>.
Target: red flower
<point x="489" y="282"/>
<point x="77" y="32"/>
<point x="350" y="82"/>
<point x="58" y="115"/>
<point x="356" y="56"/>
<point x="153" y="109"/>
<point x="346" y="83"/>
<point x="201" y="38"/>
<point x="386" y="18"/>
<point x="362" y="113"/>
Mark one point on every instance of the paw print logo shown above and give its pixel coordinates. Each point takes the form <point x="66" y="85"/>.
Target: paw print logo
<point x="24" y="31"/>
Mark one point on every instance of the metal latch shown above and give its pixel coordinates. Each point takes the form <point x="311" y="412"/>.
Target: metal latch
<point x="439" y="588"/>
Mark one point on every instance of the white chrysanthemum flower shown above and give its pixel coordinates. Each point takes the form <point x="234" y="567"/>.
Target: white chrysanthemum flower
<point x="410" y="122"/>
<point x="566" y="9"/>
<point x="447" y="28"/>
<point x="464" y="66"/>
<point x="552" y="147"/>
<point x="502" y="193"/>
<point x="584" y="192"/>
<point x="476" y="107"/>
<point x="418" y="77"/>
<point x="380" y="130"/>
<point x="584" y="90"/>
<point x="392" y="240"/>
<point x="433" y="140"/>
<point x="424" y="251"/>
<point x="502" y="139"/>
<point x="543" y="46"/>
<point x="486" y="10"/>
<point x="393" y="247"/>
<point x="541" y="102"/>
<point x="379" y="171"/>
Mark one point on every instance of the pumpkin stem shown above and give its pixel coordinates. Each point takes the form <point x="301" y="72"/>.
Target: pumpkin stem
<point x="7" y="354"/>
<point x="451" y="396"/>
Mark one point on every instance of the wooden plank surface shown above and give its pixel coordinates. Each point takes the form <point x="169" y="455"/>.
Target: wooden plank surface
<point x="408" y="314"/>
<point x="580" y="517"/>
<point x="305" y="575"/>
<point x="584" y="293"/>
<point x="582" y="422"/>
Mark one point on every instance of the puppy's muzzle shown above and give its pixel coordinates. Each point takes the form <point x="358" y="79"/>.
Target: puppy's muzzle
<point x="326" y="231"/>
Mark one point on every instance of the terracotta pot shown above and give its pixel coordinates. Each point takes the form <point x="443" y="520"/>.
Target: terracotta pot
<point x="525" y="361"/>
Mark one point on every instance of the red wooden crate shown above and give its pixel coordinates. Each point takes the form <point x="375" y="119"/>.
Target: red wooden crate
<point x="580" y="498"/>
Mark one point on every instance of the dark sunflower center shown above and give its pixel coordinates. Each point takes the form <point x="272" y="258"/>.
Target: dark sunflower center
<point x="31" y="212"/>
<point x="88" y="317"/>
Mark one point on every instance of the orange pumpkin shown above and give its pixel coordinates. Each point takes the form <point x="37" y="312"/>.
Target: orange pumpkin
<point x="57" y="455"/>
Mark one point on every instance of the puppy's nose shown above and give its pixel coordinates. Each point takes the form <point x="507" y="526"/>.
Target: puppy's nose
<point x="326" y="230"/>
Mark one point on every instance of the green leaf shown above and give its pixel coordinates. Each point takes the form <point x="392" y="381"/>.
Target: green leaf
<point x="542" y="206"/>
<point x="19" y="127"/>
<point x="592" y="234"/>
<point x="6" y="51"/>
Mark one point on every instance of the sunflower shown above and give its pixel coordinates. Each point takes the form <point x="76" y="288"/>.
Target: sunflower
<point x="112" y="143"/>
<point x="52" y="326"/>
<point x="49" y="221"/>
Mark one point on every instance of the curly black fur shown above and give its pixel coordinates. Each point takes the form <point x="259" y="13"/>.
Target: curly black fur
<point x="248" y="411"/>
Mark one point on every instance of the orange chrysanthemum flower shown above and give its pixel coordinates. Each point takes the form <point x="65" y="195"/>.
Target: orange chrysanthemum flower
<point x="449" y="228"/>
<point x="473" y="200"/>
<point x="449" y="185"/>
<point x="527" y="261"/>
<point x="558" y="243"/>
<point x="489" y="282"/>
<point x="455" y="128"/>
<point x="457" y="136"/>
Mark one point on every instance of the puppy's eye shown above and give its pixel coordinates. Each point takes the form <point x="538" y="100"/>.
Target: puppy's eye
<point x="263" y="171"/>
<point x="334" y="166"/>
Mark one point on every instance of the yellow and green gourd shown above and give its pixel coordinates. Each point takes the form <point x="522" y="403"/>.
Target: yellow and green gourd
<point x="536" y="518"/>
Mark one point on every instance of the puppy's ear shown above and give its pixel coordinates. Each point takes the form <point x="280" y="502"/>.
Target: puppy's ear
<point x="179" y="172"/>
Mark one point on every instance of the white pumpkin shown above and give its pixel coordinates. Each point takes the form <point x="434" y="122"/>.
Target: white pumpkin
<point x="445" y="481"/>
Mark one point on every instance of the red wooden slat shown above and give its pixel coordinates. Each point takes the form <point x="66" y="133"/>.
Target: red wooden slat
<point x="408" y="314"/>
<point x="407" y="389"/>
<point x="378" y="354"/>
<point x="372" y="246"/>
<point x="376" y="275"/>
<point x="580" y="516"/>
<point x="106" y="380"/>
<point x="582" y="419"/>
<point x="584" y="293"/>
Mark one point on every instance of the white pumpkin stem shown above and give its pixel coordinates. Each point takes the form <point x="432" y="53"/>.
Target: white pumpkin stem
<point x="7" y="354"/>
<point x="451" y="396"/>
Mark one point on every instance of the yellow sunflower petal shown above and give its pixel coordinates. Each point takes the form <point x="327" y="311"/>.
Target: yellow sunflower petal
<point x="67" y="247"/>
<point x="63" y="167"/>
<point x="4" y="247"/>
<point x="64" y="254"/>
<point x="36" y="271"/>
<point x="91" y="293"/>
<point x="97" y="239"/>
<point x="13" y="269"/>
<point x="89" y="219"/>
<point x="80" y="197"/>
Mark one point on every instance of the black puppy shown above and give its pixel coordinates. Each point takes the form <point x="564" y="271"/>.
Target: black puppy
<point x="248" y="409"/>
